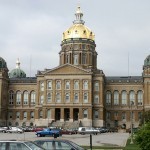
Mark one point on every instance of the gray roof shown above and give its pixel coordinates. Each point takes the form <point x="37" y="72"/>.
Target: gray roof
<point x="23" y="80"/>
<point x="124" y="79"/>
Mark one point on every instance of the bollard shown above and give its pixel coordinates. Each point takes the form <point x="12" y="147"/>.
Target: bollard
<point x="90" y="142"/>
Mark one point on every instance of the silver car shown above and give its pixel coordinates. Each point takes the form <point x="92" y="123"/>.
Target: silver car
<point x="88" y="130"/>
<point x="19" y="145"/>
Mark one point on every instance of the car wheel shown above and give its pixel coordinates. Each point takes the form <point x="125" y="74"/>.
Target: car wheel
<point x="38" y="135"/>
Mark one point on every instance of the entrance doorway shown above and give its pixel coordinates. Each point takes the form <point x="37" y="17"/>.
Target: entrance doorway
<point x="66" y="114"/>
<point x="75" y="114"/>
<point x="57" y="114"/>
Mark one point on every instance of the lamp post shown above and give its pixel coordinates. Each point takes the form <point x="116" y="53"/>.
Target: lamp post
<point x="131" y="123"/>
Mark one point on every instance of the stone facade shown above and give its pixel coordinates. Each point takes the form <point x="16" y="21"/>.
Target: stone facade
<point x="75" y="93"/>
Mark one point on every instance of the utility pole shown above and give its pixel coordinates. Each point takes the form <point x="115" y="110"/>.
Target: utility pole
<point x="131" y="103"/>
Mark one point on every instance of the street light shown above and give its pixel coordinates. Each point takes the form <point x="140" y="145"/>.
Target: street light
<point x="131" y="123"/>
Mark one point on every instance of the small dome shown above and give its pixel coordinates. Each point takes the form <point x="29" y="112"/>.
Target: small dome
<point x="147" y="61"/>
<point x="78" y="29"/>
<point x="17" y="72"/>
<point x="2" y="63"/>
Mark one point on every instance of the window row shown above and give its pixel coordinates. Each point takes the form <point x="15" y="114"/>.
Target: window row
<point x="67" y="98"/>
<point x="116" y="97"/>
<point x="48" y="114"/>
<point x="123" y="115"/>
<point x="17" y="98"/>
<point x="58" y="85"/>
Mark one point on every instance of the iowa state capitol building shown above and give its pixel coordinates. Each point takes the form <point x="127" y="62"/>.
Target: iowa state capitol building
<point x="75" y="93"/>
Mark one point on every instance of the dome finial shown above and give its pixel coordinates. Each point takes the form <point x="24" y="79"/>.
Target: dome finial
<point x="18" y="63"/>
<point x="79" y="16"/>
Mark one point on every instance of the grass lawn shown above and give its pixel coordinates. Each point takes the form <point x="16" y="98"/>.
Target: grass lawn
<point x="131" y="146"/>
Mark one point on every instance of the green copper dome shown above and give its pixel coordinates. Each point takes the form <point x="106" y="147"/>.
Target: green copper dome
<point x="2" y="63"/>
<point x="147" y="61"/>
<point x="17" y="72"/>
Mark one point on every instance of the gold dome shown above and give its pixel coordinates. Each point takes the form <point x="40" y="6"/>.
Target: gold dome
<point x="78" y="29"/>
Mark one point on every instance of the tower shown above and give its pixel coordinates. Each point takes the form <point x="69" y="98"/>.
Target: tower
<point x="78" y="45"/>
<point x="3" y="91"/>
<point x="146" y="81"/>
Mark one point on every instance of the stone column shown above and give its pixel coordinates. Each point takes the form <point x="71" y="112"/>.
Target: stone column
<point x="71" y="115"/>
<point x="80" y="114"/>
<point x="53" y="113"/>
<point x="62" y="114"/>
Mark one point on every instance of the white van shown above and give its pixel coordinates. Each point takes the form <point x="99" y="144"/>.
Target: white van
<point x="88" y="130"/>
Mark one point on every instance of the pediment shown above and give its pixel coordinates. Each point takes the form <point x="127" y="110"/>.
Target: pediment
<point x="67" y="69"/>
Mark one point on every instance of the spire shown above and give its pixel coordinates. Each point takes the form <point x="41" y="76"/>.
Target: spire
<point x="18" y="63"/>
<point x="79" y="16"/>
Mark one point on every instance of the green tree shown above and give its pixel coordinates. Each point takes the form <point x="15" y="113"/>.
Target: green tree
<point x="143" y="137"/>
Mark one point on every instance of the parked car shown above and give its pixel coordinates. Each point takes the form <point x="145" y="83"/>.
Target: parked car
<point x="49" y="132"/>
<point x="87" y="130"/>
<point x="37" y="129"/>
<point x="19" y="145"/>
<point x="68" y="131"/>
<point x="14" y="130"/>
<point x="3" y="129"/>
<point x="58" y="144"/>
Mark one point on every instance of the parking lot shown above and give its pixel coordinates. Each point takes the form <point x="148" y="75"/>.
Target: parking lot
<point x="112" y="139"/>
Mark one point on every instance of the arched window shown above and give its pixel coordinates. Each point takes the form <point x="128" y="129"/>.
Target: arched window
<point x="123" y="115"/>
<point x="76" y="59"/>
<point x="67" y="59"/>
<point x="18" y="98"/>
<point x="124" y="98"/>
<point x="95" y="114"/>
<point x="85" y="97"/>
<point x="49" y="97"/>
<point x="140" y="97"/>
<point x="32" y="98"/>
<point x="58" y="97"/>
<point x="41" y="99"/>
<point x="116" y="98"/>
<point x="132" y="97"/>
<point x="96" y="99"/>
<point x="96" y="86"/>
<point x="67" y="86"/>
<point x="83" y="58"/>
<point x="108" y="115"/>
<point x="10" y="115"/>
<point x="49" y="85"/>
<point x="67" y="97"/>
<point x="85" y="113"/>
<point x="24" y="115"/>
<point x="25" y="98"/>
<point x="32" y="115"/>
<point x="41" y="114"/>
<point x="76" y="97"/>
<point x="17" y="115"/>
<point x="76" y="85"/>
<point x="42" y="86"/>
<point x="11" y="98"/>
<point x="16" y="124"/>
<point x="49" y="114"/>
<point x="58" y="85"/>
<point x="108" y="98"/>
<point x="85" y="85"/>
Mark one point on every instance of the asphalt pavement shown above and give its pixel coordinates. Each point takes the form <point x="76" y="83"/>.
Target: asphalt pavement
<point x="105" y="139"/>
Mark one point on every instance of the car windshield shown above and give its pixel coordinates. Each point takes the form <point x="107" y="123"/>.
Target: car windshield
<point x="76" y="146"/>
<point x="33" y="146"/>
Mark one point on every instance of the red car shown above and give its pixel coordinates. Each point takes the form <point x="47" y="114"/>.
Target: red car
<point x="68" y="132"/>
<point x="37" y="129"/>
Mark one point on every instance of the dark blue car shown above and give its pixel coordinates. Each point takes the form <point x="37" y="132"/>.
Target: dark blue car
<point x="49" y="132"/>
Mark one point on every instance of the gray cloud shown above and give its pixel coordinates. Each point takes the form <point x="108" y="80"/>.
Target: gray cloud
<point x="32" y="30"/>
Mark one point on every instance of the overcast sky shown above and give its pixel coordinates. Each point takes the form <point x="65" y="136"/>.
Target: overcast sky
<point x="31" y="30"/>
